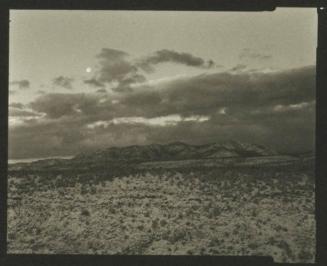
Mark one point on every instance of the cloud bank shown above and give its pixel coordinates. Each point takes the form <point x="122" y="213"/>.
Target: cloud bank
<point x="275" y="108"/>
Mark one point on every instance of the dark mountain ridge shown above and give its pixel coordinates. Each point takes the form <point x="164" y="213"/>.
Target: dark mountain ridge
<point x="174" y="155"/>
<point x="176" y="151"/>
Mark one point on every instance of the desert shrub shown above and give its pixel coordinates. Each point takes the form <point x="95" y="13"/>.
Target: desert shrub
<point x="195" y="207"/>
<point x="285" y="246"/>
<point x="215" y="211"/>
<point x="140" y="227"/>
<point x="177" y="235"/>
<point x="180" y="216"/>
<point x="93" y="190"/>
<point x="253" y="246"/>
<point x="215" y="242"/>
<point x="11" y="236"/>
<point x="163" y="222"/>
<point x="305" y="256"/>
<point x="112" y="210"/>
<point x="154" y="224"/>
<point x="278" y="227"/>
<point x="85" y="212"/>
<point x="285" y="229"/>
<point x="61" y="191"/>
<point x="83" y="190"/>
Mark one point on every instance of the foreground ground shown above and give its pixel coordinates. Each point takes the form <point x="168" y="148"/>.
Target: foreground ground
<point x="242" y="211"/>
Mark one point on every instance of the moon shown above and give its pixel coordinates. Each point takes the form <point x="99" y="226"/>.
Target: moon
<point x="88" y="69"/>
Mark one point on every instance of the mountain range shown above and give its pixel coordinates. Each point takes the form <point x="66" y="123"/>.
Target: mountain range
<point x="176" y="151"/>
<point x="171" y="155"/>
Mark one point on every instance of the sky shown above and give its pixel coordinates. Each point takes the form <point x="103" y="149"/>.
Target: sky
<point x="86" y="80"/>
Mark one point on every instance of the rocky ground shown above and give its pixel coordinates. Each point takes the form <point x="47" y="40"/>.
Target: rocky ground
<point x="208" y="212"/>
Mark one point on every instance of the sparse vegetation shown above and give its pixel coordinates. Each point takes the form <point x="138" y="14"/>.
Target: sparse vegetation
<point x="246" y="210"/>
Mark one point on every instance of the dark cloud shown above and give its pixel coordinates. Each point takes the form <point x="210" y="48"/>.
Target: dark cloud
<point x="125" y="84"/>
<point x="211" y="63"/>
<point x="114" y="66"/>
<point x="101" y="91"/>
<point x="108" y="54"/>
<point x="165" y="55"/>
<point x="56" y="105"/>
<point x="202" y="94"/>
<point x="248" y="53"/>
<point x="276" y="109"/>
<point x="94" y="82"/>
<point x="238" y="67"/>
<point x="64" y="82"/>
<point x="21" y="84"/>
<point x="239" y="92"/>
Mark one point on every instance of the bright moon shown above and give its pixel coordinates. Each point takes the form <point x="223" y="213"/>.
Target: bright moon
<point x="88" y="70"/>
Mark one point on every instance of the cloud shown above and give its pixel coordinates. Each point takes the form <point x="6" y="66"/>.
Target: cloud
<point x="94" y="82"/>
<point x="238" y="67"/>
<point x="125" y="83"/>
<point x="64" y="82"/>
<point x="17" y="105"/>
<point x="274" y="108"/>
<point x="101" y="91"/>
<point x="200" y="94"/>
<point x="40" y="92"/>
<point x="248" y="53"/>
<point x="114" y="66"/>
<point x="173" y="119"/>
<point x="21" y="113"/>
<point x="291" y="107"/>
<point x="56" y="105"/>
<point x="117" y="70"/>
<point x="21" y="84"/>
<point x="164" y="56"/>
